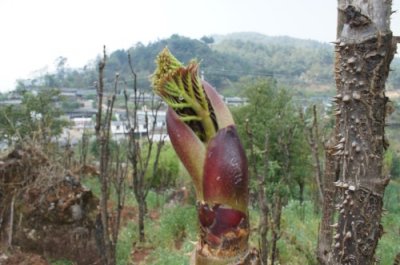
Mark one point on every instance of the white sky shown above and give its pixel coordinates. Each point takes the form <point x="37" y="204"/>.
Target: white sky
<point x="33" y="33"/>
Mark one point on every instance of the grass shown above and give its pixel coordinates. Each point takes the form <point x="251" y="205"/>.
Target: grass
<point x="300" y="233"/>
<point x="389" y="245"/>
<point x="176" y="224"/>
<point x="62" y="262"/>
<point x="127" y="236"/>
<point x="162" y="256"/>
<point x="171" y="237"/>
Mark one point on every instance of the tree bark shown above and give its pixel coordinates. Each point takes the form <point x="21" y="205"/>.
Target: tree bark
<point x="102" y="130"/>
<point x="313" y="141"/>
<point x="364" y="50"/>
<point x="328" y="208"/>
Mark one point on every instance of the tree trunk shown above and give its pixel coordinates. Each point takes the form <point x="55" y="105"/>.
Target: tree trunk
<point x="279" y="199"/>
<point x="141" y="214"/>
<point x="262" y="197"/>
<point x="313" y="140"/>
<point x="328" y="209"/>
<point x="364" y="50"/>
<point x="102" y="130"/>
<point x="276" y="228"/>
<point x="139" y="190"/>
<point x="263" y="225"/>
<point x="264" y="210"/>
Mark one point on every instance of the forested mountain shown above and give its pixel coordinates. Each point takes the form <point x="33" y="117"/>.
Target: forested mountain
<point x="291" y="60"/>
<point x="225" y="59"/>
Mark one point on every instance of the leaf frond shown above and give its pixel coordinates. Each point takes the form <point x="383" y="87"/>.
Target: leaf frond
<point x="182" y="89"/>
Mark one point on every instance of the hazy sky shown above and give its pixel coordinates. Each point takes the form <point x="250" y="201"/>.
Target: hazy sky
<point x="35" y="32"/>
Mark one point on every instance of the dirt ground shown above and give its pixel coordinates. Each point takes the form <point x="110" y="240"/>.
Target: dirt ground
<point x="44" y="211"/>
<point x="47" y="214"/>
<point x="20" y="258"/>
<point x="139" y="255"/>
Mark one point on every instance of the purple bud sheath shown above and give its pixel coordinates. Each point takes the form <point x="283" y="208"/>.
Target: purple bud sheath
<point x="204" y="137"/>
<point x="225" y="177"/>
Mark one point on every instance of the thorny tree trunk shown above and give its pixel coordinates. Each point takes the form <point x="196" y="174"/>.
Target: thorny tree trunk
<point x="328" y="207"/>
<point x="364" y="50"/>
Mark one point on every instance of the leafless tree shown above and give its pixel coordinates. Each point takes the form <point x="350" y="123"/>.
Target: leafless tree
<point x="141" y="149"/>
<point x="111" y="172"/>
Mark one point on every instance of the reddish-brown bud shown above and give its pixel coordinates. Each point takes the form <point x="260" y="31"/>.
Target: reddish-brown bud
<point x="225" y="176"/>
<point x="220" y="220"/>
<point x="222" y="112"/>
<point x="189" y="148"/>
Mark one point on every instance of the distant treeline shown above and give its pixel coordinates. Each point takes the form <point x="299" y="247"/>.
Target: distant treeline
<point x="225" y="60"/>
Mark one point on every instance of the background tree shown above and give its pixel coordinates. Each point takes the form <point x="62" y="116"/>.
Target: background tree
<point x="312" y="133"/>
<point x="263" y="225"/>
<point x="141" y="149"/>
<point x="37" y="117"/>
<point x="112" y="172"/>
<point x="207" y="40"/>
<point x="364" y="51"/>
<point x="271" y="111"/>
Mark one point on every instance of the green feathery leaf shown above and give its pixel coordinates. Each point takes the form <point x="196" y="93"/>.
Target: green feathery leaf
<point x="181" y="88"/>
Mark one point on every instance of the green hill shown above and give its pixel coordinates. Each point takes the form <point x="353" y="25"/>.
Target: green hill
<point x="305" y="65"/>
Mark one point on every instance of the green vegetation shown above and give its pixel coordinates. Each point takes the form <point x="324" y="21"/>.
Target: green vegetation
<point x="389" y="245"/>
<point x="176" y="225"/>
<point x="62" y="262"/>
<point x="37" y="117"/>
<point x="67" y="105"/>
<point x="167" y="170"/>
<point x="271" y="110"/>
